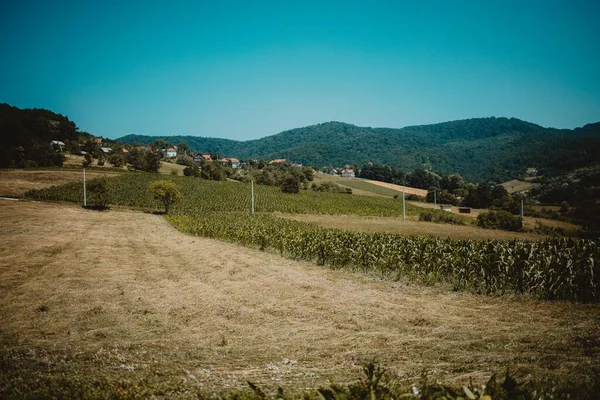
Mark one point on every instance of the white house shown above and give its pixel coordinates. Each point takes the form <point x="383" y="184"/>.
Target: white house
<point x="171" y="153"/>
<point x="106" y="150"/>
<point x="57" y="143"/>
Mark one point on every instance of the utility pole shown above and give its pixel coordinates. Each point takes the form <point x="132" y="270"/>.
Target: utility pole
<point x="403" y="206"/>
<point x="521" y="208"/>
<point x="84" y="190"/>
<point x="252" y="196"/>
<point x="435" y="198"/>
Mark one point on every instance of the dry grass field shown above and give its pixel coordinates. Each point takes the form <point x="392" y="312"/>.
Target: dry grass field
<point x="15" y="182"/>
<point x="408" y="227"/>
<point x="399" y="188"/>
<point x="516" y="186"/>
<point x="125" y="299"/>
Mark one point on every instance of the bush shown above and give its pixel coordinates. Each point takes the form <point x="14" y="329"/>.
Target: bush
<point x="329" y="186"/>
<point x="413" y="197"/>
<point x="185" y="160"/>
<point x="166" y="191"/>
<point x="500" y="220"/>
<point x="97" y="193"/>
<point x="442" y="197"/>
<point x="443" y="217"/>
<point x="290" y="184"/>
<point x="116" y="159"/>
<point x="192" y="171"/>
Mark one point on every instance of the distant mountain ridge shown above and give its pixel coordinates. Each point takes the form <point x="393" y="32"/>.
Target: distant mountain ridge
<point x="478" y="148"/>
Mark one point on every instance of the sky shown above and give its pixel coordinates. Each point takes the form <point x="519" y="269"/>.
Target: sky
<point x="248" y="69"/>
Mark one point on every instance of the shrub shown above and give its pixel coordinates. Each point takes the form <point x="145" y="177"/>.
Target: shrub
<point x="87" y="160"/>
<point x="97" y="193"/>
<point x="116" y="159"/>
<point x="192" y="171"/>
<point x="166" y="191"/>
<point x="500" y="220"/>
<point x="185" y="160"/>
<point x="414" y="197"/>
<point x="443" y="217"/>
<point x="290" y="184"/>
<point x="329" y="186"/>
<point x="442" y="197"/>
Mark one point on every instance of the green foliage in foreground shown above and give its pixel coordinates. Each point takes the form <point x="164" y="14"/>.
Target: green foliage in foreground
<point x="131" y="189"/>
<point x="565" y="269"/>
<point x="23" y="379"/>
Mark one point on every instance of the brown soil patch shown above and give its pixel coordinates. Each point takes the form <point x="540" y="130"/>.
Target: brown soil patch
<point x="123" y="295"/>
<point x="15" y="182"/>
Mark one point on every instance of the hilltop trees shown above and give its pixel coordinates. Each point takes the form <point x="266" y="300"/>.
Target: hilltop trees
<point x="382" y="173"/>
<point x="423" y="179"/>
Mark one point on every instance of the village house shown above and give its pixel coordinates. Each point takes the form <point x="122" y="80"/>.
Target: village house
<point x="200" y="157"/>
<point x="234" y="162"/>
<point x="277" y="161"/>
<point x="57" y="143"/>
<point x="348" y="173"/>
<point x="171" y="153"/>
<point x="106" y="150"/>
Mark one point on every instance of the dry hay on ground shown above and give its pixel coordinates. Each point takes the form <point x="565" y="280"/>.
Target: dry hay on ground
<point x="123" y="295"/>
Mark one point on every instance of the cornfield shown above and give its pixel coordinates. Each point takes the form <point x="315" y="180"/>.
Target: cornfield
<point x="553" y="269"/>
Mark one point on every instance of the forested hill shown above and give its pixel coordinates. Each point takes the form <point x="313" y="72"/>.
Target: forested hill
<point x="478" y="149"/>
<point x="25" y="136"/>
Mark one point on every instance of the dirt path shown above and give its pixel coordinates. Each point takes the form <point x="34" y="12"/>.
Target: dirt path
<point x="123" y="295"/>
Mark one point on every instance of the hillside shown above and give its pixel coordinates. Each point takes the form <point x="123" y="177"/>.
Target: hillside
<point x="25" y="135"/>
<point x="478" y="149"/>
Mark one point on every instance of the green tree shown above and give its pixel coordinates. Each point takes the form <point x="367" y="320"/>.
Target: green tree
<point x="290" y="184"/>
<point x="213" y="171"/>
<point x="183" y="148"/>
<point x="192" y="171"/>
<point x="98" y="192"/>
<point x="87" y="160"/>
<point x="153" y="159"/>
<point x="165" y="191"/>
<point x="116" y="159"/>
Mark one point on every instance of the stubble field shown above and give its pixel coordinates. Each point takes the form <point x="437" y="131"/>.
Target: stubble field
<point x="124" y="303"/>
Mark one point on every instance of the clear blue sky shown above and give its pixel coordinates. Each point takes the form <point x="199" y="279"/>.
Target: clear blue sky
<point x="244" y="69"/>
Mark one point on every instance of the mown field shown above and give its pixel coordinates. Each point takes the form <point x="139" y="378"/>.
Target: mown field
<point x="565" y="269"/>
<point x="119" y="304"/>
